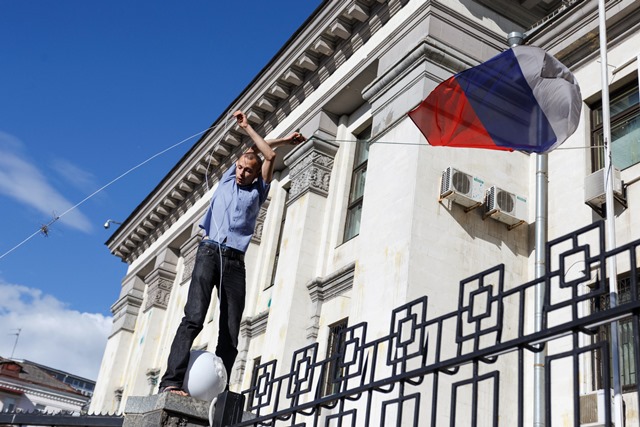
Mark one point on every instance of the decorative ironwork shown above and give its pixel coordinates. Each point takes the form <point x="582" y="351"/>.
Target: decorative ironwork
<point x="471" y="366"/>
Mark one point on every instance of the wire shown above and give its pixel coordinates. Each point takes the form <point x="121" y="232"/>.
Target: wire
<point x="100" y="189"/>
<point x="373" y="142"/>
<point x="226" y="123"/>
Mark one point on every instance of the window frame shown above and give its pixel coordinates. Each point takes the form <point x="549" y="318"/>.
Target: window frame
<point x="276" y="255"/>
<point x="335" y="340"/>
<point x="360" y="165"/>
<point x="617" y="119"/>
<point x="628" y="370"/>
<point x="253" y="381"/>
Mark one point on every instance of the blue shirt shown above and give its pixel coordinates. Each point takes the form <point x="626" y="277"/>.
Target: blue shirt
<point x="233" y="211"/>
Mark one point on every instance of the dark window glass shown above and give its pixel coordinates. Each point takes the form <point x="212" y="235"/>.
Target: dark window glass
<point x="358" y="178"/>
<point x="332" y="372"/>
<point x="628" y="367"/>
<point x="279" y="244"/>
<point x="625" y="129"/>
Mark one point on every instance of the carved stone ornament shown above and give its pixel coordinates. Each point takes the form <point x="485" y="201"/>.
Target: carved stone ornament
<point x="311" y="168"/>
<point x="188" y="252"/>
<point x="257" y="232"/>
<point x="159" y="284"/>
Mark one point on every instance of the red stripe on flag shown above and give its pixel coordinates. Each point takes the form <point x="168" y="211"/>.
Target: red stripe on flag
<point x="446" y="118"/>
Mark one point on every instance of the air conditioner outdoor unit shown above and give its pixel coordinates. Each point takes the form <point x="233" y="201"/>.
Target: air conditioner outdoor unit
<point x="462" y="188"/>
<point x="594" y="189"/>
<point x="592" y="408"/>
<point x="505" y="207"/>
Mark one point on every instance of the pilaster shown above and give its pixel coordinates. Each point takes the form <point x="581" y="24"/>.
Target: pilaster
<point x="125" y="310"/>
<point x="161" y="279"/>
<point x="310" y="165"/>
<point x="310" y="169"/>
<point x="188" y="253"/>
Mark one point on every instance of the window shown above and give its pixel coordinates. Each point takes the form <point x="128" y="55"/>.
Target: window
<point x="8" y="404"/>
<point x="628" y="367"/>
<point x="358" y="178"/>
<point x="279" y="244"/>
<point x="625" y="130"/>
<point x="254" y="380"/>
<point x="336" y="339"/>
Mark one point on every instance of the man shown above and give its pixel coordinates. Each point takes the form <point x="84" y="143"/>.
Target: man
<point x="228" y="226"/>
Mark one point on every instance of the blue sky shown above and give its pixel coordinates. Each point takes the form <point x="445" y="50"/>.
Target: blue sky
<point x="88" y="90"/>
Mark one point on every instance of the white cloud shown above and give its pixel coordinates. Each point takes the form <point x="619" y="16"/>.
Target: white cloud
<point x="75" y="175"/>
<point x="23" y="182"/>
<point x="51" y="334"/>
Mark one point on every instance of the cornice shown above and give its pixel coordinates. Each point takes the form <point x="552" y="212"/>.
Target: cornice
<point x="254" y="326"/>
<point x="328" y="287"/>
<point x="432" y="50"/>
<point x="329" y="37"/>
<point x="574" y="38"/>
<point x="66" y="396"/>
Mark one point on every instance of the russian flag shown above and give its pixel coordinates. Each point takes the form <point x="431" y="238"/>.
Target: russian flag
<point x="522" y="99"/>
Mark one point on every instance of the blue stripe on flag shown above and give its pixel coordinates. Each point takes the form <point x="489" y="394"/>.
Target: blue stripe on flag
<point x="503" y="101"/>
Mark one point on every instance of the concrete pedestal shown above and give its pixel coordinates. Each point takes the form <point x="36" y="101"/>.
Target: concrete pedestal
<point x="165" y="409"/>
<point x="172" y="410"/>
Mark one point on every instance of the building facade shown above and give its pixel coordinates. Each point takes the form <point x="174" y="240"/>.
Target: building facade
<point x="81" y="384"/>
<point x="357" y="222"/>
<point x="26" y="387"/>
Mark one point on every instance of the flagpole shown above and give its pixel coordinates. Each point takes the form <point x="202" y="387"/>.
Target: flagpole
<point x="612" y="270"/>
<point x="541" y="234"/>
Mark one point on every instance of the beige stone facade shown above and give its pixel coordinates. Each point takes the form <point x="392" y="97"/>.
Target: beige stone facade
<point x="359" y="64"/>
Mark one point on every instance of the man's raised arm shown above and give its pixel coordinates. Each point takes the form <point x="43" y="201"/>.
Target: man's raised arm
<point x="266" y="148"/>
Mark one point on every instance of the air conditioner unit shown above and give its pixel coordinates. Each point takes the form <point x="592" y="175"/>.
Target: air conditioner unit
<point x="505" y="207"/>
<point x="592" y="408"/>
<point x="462" y="188"/>
<point x="594" y="189"/>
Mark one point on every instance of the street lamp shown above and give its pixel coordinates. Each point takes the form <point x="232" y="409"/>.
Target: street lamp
<point x="109" y="222"/>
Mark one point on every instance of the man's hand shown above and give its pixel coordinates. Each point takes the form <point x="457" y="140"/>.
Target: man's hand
<point x="241" y="119"/>
<point x="296" y="138"/>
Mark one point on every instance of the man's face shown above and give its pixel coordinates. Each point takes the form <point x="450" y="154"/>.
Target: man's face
<point x="246" y="170"/>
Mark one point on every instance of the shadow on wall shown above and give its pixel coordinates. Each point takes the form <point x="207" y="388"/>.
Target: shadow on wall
<point x="519" y="240"/>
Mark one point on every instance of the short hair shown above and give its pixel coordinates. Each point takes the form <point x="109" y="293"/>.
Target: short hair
<point x="253" y="156"/>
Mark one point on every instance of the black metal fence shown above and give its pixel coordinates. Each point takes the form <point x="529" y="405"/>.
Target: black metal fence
<point x="61" y="419"/>
<point x="473" y="366"/>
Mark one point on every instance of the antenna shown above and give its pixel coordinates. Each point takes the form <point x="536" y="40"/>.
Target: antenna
<point x="17" y="334"/>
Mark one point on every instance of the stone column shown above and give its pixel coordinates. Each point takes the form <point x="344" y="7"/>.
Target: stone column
<point x="149" y="330"/>
<point x="125" y="314"/>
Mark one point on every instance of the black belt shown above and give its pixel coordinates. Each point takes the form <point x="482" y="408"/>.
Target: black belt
<point x="225" y="251"/>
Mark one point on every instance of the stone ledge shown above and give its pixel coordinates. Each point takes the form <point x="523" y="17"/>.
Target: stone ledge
<point x="165" y="409"/>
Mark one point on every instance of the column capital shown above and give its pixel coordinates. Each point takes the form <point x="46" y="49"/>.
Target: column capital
<point x="262" y="215"/>
<point x="188" y="252"/>
<point x="159" y="282"/>
<point x="310" y="168"/>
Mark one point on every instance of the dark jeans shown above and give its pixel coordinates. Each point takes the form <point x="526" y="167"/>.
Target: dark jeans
<point x="206" y="276"/>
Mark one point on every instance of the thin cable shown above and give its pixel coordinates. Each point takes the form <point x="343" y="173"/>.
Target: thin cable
<point x="20" y="244"/>
<point x="129" y="171"/>
<point x="100" y="189"/>
<point x="372" y="141"/>
<point x="369" y="141"/>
